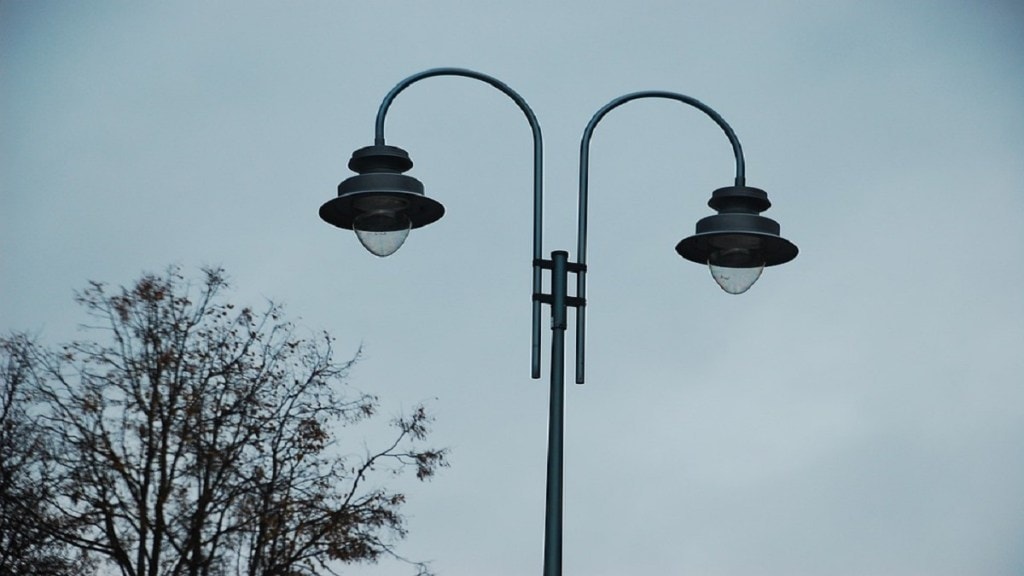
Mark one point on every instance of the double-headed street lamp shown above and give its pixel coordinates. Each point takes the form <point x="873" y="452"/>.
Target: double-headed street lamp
<point x="382" y="204"/>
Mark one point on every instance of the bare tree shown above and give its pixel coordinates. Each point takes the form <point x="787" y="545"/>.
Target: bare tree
<point x="193" y="437"/>
<point x="28" y="527"/>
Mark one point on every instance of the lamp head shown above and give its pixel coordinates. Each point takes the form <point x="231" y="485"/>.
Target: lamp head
<point x="737" y="243"/>
<point x="380" y="203"/>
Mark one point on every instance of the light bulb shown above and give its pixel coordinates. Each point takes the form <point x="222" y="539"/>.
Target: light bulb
<point x="735" y="269"/>
<point x="382" y="232"/>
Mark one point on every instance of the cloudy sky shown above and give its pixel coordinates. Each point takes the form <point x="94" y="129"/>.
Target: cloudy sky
<point x="859" y="411"/>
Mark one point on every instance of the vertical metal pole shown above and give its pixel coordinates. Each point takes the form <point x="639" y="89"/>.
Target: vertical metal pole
<point x="556" y="417"/>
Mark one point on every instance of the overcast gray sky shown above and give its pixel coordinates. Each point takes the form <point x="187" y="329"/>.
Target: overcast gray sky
<point x="859" y="411"/>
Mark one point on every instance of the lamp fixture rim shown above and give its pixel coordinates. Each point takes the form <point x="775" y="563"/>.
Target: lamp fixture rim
<point x="777" y="250"/>
<point x="342" y="210"/>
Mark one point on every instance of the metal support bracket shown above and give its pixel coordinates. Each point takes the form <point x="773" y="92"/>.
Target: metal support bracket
<point x="549" y="299"/>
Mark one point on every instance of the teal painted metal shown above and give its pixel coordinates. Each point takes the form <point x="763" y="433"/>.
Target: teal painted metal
<point x="560" y="267"/>
<point x="538" y="176"/>
<point x="581" y="218"/>
<point x="556" y="416"/>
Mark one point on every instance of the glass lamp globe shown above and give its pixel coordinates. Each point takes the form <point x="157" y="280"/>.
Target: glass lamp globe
<point x="735" y="269"/>
<point x="382" y="232"/>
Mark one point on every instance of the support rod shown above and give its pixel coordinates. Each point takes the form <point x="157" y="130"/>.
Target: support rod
<point x="538" y="162"/>
<point x="581" y="235"/>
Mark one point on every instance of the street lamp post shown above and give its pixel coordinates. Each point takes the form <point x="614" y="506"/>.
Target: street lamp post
<point x="382" y="205"/>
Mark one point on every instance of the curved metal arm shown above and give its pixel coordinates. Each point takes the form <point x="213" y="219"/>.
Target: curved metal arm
<point x="538" y="161"/>
<point x="581" y="235"/>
